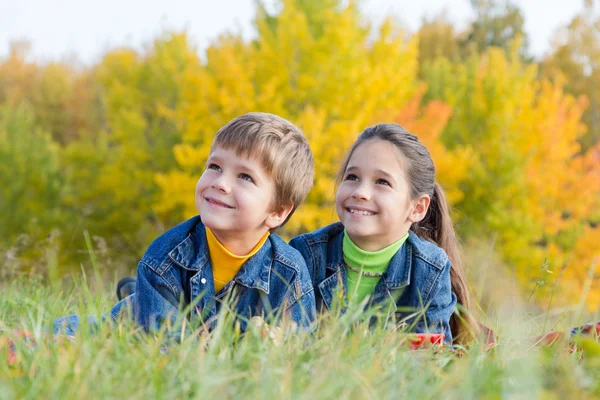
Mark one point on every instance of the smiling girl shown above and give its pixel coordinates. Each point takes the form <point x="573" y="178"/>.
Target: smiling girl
<point x="395" y="240"/>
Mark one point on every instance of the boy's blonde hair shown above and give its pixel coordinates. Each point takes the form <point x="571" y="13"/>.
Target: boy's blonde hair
<point x="280" y="146"/>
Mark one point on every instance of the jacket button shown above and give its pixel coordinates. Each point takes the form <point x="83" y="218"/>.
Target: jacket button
<point x="203" y="280"/>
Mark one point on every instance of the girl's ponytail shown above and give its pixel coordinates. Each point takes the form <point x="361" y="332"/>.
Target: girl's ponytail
<point x="437" y="227"/>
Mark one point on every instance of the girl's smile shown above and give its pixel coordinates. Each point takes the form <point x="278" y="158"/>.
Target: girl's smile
<point x="359" y="211"/>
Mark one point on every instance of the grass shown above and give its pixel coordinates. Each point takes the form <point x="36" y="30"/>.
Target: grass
<point x="344" y="358"/>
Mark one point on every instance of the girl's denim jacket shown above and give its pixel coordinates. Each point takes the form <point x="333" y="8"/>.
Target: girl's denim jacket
<point x="176" y="270"/>
<point x="417" y="279"/>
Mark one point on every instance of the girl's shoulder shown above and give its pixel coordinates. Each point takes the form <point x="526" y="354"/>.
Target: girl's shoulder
<point x="321" y="235"/>
<point x="427" y="251"/>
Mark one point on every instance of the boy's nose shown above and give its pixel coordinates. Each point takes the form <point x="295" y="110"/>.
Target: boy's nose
<point x="221" y="184"/>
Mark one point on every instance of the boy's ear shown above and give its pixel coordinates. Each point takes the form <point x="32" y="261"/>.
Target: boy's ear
<point x="419" y="209"/>
<point x="278" y="217"/>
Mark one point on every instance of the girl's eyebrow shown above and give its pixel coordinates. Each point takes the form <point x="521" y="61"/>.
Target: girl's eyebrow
<point x="377" y="171"/>
<point x="385" y="173"/>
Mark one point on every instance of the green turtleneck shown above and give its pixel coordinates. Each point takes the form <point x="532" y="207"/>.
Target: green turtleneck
<point x="373" y="262"/>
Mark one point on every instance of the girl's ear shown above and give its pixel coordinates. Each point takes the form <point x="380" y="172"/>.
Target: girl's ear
<point x="278" y="217"/>
<point x="419" y="209"/>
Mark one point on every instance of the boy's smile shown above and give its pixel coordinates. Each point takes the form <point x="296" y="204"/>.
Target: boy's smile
<point x="215" y="202"/>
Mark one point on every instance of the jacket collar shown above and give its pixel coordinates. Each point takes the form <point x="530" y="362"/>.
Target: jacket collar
<point x="193" y="254"/>
<point x="397" y="275"/>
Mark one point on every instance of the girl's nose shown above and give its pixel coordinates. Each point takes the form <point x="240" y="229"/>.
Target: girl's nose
<point x="362" y="192"/>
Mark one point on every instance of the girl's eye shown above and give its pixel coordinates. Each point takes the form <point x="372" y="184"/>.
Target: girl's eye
<point x="351" y="177"/>
<point x="246" y="177"/>
<point x="383" y="182"/>
<point x="213" y="166"/>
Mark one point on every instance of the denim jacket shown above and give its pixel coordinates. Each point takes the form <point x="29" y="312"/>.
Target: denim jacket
<point x="417" y="278"/>
<point x="272" y="283"/>
<point x="177" y="270"/>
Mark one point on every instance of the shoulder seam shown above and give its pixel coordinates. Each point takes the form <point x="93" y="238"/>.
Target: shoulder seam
<point x="165" y="281"/>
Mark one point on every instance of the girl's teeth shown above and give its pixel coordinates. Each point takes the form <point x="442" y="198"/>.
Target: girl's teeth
<point x="361" y="212"/>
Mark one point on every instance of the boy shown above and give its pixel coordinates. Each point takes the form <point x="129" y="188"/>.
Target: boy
<point x="259" y="170"/>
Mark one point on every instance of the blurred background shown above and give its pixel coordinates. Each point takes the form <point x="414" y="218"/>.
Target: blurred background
<point x="108" y="109"/>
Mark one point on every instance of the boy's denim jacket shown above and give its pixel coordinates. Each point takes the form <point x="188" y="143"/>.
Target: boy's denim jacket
<point x="272" y="283"/>
<point x="418" y="278"/>
<point x="176" y="269"/>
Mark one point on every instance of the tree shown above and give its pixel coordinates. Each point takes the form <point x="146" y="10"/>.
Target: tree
<point x="32" y="184"/>
<point x="63" y="99"/>
<point x="332" y="79"/>
<point x="112" y="171"/>
<point x="437" y="39"/>
<point x="531" y="184"/>
<point x="497" y="24"/>
<point x="576" y="56"/>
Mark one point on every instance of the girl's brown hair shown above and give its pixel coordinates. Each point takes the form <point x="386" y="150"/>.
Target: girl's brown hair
<point x="437" y="225"/>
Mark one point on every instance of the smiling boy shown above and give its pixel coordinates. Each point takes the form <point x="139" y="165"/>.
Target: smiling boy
<point x="259" y="170"/>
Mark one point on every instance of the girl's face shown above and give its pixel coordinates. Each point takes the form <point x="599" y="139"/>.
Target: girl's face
<point x="373" y="201"/>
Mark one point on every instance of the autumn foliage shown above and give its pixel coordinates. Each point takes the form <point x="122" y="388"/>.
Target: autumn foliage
<point x="116" y="148"/>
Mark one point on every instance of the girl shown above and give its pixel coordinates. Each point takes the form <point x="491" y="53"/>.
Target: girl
<point x="395" y="240"/>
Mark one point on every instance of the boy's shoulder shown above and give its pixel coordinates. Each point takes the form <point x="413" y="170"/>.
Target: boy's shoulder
<point x="173" y="238"/>
<point x="285" y="254"/>
<point x="427" y="251"/>
<point x="182" y="244"/>
<point x="321" y="235"/>
<point x="290" y="267"/>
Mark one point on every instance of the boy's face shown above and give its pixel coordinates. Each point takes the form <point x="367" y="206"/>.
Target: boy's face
<point x="234" y="197"/>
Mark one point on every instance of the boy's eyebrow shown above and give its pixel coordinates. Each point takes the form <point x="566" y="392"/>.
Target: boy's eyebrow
<point x="256" y="175"/>
<point x="238" y="164"/>
<point x="212" y="157"/>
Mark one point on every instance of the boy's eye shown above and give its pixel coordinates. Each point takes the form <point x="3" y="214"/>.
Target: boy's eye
<point x="351" y="177"/>
<point x="213" y="166"/>
<point x="246" y="177"/>
<point x="383" y="182"/>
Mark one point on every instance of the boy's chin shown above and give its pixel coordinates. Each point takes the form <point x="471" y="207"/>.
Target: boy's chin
<point x="213" y="223"/>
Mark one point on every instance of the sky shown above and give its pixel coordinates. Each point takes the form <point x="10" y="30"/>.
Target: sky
<point x="85" y="30"/>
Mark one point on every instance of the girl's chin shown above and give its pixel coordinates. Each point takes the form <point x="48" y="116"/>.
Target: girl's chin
<point x="357" y="233"/>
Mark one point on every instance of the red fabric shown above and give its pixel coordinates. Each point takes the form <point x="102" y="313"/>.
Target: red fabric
<point x="421" y="340"/>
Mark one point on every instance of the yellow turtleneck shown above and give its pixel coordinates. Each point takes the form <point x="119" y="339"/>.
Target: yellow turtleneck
<point x="225" y="264"/>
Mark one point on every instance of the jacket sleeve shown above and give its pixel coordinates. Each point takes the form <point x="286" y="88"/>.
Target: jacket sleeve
<point x="303" y="311"/>
<point x="439" y="309"/>
<point x="299" y="243"/>
<point x="155" y="301"/>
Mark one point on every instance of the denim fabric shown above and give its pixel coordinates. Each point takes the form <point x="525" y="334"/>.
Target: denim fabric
<point x="69" y="324"/>
<point x="417" y="279"/>
<point x="176" y="271"/>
